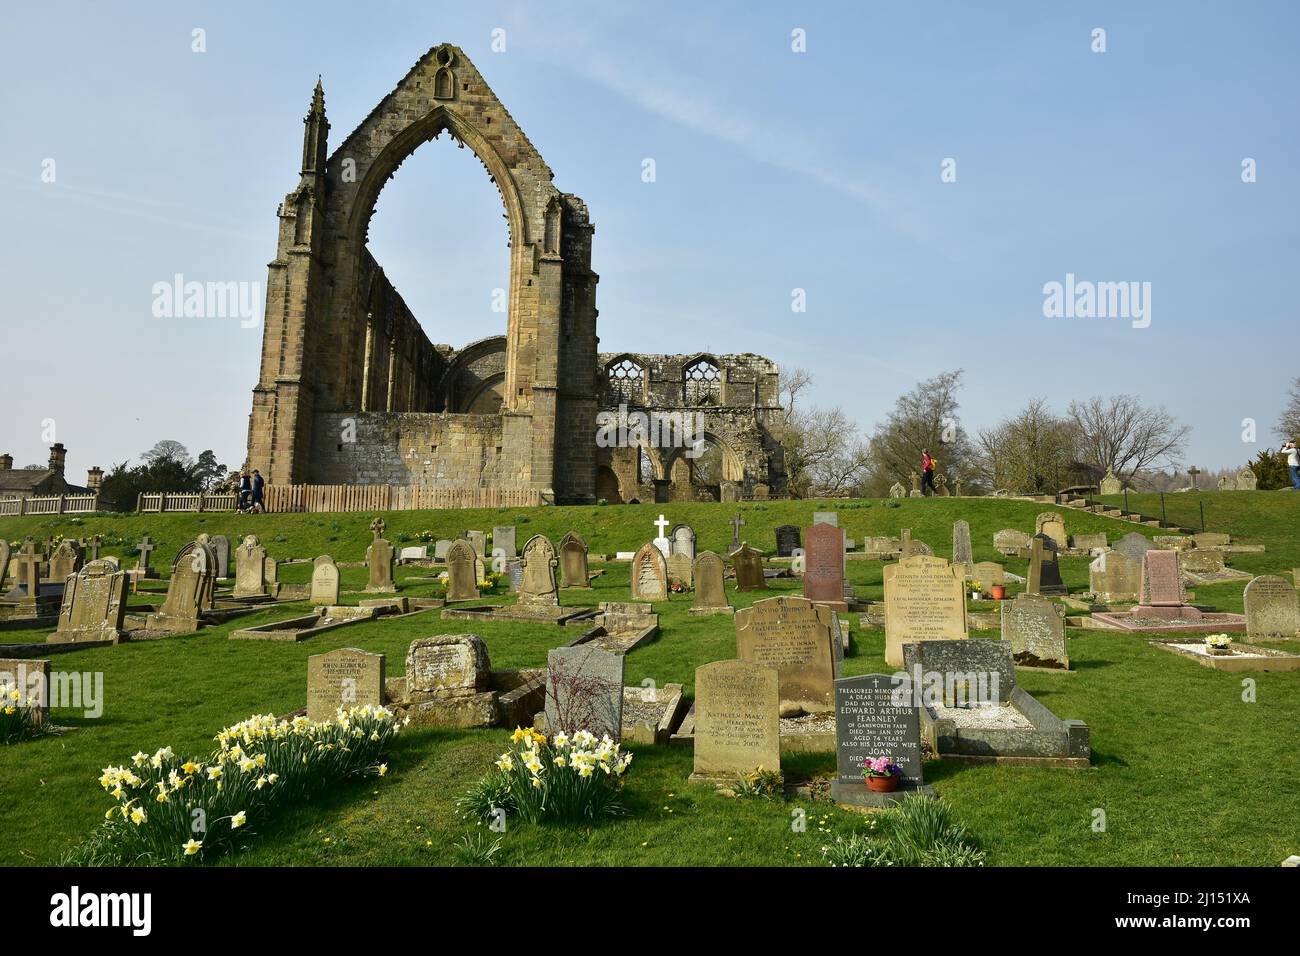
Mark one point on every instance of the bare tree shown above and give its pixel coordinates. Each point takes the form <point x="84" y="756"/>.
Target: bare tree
<point x="831" y="457"/>
<point x="1288" y="426"/>
<point x="1122" y="434"/>
<point x="923" y="419"/>
<point x="1030" y="452"/>
<point x="791" y="384"/>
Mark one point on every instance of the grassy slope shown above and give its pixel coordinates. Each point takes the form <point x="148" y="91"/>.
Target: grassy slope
<point x="1155" y="719"/>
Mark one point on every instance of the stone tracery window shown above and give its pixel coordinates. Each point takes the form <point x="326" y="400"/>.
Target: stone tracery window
<point x="625" y="380"/>
<point x="703" y="383"/>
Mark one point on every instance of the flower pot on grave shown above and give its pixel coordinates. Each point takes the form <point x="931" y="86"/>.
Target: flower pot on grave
<point x="1219" y="651"/>
<point x="999" y="592"/>
<point x="882" y="784"/>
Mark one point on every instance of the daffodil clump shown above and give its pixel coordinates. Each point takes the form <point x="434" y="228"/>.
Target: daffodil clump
<point x="170" y="808"/>
<point x="561" y="779"/>
<point x="17" y="720"/>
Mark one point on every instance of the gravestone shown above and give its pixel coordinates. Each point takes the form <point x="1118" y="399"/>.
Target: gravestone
<point x="649" y="574"/>
<point x="272" y="572"/>
<point x="462" y="575"/>
<point x="710" y="592"/>
<point x="250" y="568"/>
<point x="826" y="517"/>
<point x="681" y="540"/>
<point x="478" y="541"/>
<point x="440" y="549"/>
<point x="220" y="545"/>
<point x="503" y="539"/>
<point x="925" y="600"/>
<point x="65" y="561"/>
<point x="909" y="547"/>
<point x="823" y="576"/>
<point x="988" y="573"/>
<point x="1133" y="546"/>
<point x="1044" y="568"/>
<point x="680" y="570"/>
<point x="27" y="572"/>
<point x="4" y="561"/>
<point x="143" y="567"/>
<point x="189" y="589"/>
<point x="749" y="568"/>
<point x="1161" y="580"/>
<point x="450" y="665"/>
<point x="1246" y="480"/>
<point x="896" y="490"/>
<point x="874" y="717"/>
<point x="348" y="677"/>
<point x="1089" y="542"/>
<point x="95" y="543"/>
<point x="1271" y="610"/>
<point x="1114" y="577"/>
<point x="737" y="720"/>
<point x="1034" y="626"/>
<point x="514" y="575"/>
<point x="1011" y="542"/>
<point x="1202" y="560"/>
<point x="573" y="562"/>
<point x="1051" y="523"/>
<point x="787" y="540"/>
<point x="413" y="554"/>
<point x="538" y="587"/>
<point x="789" y="634"/>
<point x="380" y="558"/>
<point x="324" y="581"/>
<point x="961" y="546"/>
<point x="31" y="678"/>
<point x="94" y="605"/>
<point x="1110" y="485"/>
<point x="736" y="524"/>
<point x="584" y="690"/>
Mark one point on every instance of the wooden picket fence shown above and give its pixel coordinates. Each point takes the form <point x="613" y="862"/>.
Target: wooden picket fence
<point x="159" y="501"/>
<point x="50" y="505"/>
<point x="286" y="498"/>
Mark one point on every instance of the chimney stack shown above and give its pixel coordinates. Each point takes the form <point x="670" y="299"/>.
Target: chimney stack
<point x="58" y="455"/>
<point x="94" y="478"/>
<point x="6" y="462"/>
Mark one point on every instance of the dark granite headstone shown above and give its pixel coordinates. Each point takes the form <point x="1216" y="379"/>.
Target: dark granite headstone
<point x="787" y="540"/>
<point x="875" y="717"/>
<point x="1044" y="569"/>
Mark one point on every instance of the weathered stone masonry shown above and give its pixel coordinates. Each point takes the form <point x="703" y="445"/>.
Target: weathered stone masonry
<point x="351" y="390"/>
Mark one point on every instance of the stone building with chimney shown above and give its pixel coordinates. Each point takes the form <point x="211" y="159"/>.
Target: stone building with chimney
<point x="43" y="482"/>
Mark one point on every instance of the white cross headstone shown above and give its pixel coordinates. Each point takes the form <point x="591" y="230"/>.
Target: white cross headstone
<point x="662" y="542"/>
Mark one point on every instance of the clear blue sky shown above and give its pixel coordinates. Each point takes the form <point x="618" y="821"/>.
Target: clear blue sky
<point x="775" y="171"/>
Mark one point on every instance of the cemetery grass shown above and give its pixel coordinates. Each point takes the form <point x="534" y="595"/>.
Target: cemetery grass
<point x="1184" y="771"/>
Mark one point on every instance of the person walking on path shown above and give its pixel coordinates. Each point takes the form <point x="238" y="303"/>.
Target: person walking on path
<point x="1293" y="463"/>
<point x="927" y="473"/>
<point x="258" y="484"/>
<point x="245" y="491"/>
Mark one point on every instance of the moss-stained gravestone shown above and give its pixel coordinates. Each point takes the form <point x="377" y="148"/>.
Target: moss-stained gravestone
<point x="737" y="720"/>
<point x="1271" y="610"/>
<point x="347" y="677"/>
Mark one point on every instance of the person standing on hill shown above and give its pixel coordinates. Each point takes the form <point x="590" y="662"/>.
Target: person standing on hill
<point x="927" y="473"/>
<point x="1293" y="463"/>
<point x="245" y="490"/>
<point x="258" y="484"/>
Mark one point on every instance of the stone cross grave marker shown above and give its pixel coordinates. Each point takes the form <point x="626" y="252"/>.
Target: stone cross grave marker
<point x="736" y="524"/>
<point x="146" y="549"/>
<point x="380" y="558"/>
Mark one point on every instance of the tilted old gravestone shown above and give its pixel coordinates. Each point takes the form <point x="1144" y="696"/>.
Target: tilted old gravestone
<point x="538" y="583"/>
<point x="710" y="592"/>
<point x="94" y="605"/>
<point x="1052" y="524"/>
<point x="737" y="720"/>
<point x="189" y="590"/>
<point x="584" y="691"/>
<point x="925" y="600"/>
<point x="324" y="581"/>
<point x="1044" y="568"/>
<point x="823" y="576"/>
<point x="250" y="568"/>
<point x="789" y="634"/>
<point x="450" y="665"/>
<point x="748" y="564"/>
<point x="503" y="539"/>
<point x="1034" y="626"/>
<point x="478" y="541"/>
<point x="221" y="548"/>
<point x="787" y="540"/>
<point x="380" y="558"/>
<point x="649" y="574"/>
<point x="1271" y="610"/>
<point x="1115" y="577"/>
<point x="874" y="717"/>
<point x="462" y="577"/>
<point x="65" y="561"/>
<point x="962" y="552"/>
<point x="573" y="562"/>
<point x="348" y="677"/>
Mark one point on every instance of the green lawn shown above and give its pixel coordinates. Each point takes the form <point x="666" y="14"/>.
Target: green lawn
<point x="1184" y="770"/>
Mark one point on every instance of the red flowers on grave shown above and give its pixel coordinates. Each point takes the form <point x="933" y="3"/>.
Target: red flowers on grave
<point x="882" y="774"/>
